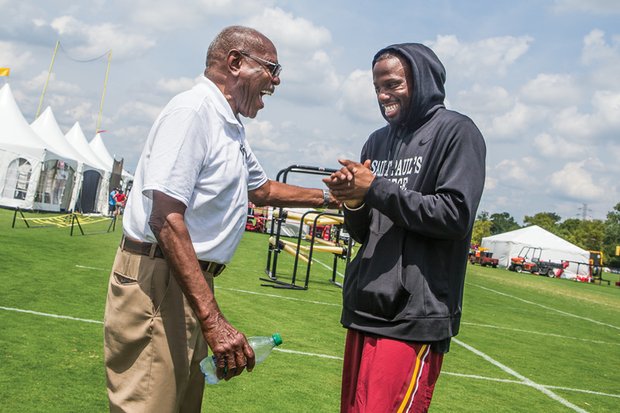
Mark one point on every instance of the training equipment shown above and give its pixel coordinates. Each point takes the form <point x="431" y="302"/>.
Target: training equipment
<point x="317" y="221"/>
<point x="261" y="345"/>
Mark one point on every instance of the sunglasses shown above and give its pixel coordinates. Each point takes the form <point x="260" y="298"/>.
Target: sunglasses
<point x="274" y="69"/>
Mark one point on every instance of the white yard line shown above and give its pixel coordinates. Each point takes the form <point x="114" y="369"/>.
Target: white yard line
<point x="276" y="296"/>
<point x="327" y="266"/>
<point x="92" y="268"/>
<point x="539" y="333"/>
<point x="303" y="353"/>
<point x="494" y="379"/>
<point x="66" y="317"/>
<point x="547" y="307"/>
<point x="522" y="380"/>
<point x="521" y="377"/>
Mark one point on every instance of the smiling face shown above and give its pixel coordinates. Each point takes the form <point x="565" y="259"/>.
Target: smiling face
<point x="255" y="79"/>
<point x="393" y="86"/>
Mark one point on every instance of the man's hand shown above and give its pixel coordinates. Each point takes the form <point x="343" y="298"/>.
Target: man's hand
<point x="232" y="351"/>
<point x="350" y="184"/>
<point x="230" y="347"/>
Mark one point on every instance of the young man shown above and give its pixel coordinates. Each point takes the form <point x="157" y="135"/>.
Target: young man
<point x="184" y="218"/>
<point x="412" y="205"/>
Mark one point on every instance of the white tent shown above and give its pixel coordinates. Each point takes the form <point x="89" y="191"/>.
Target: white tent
<point x="509" y="244"/>
<point x="47" y="128"/>
<point x="94" y="194"/>
<point x="32" y="175"/>
<point x="99" y="148"/>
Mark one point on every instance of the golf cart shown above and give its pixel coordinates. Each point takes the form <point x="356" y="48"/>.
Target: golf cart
<point x="529" y="260"/>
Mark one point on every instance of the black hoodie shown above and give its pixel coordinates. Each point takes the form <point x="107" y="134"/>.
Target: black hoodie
<point x="406" y="281"/>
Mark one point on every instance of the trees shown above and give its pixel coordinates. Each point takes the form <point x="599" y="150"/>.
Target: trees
<point x="611" y="237"/>
<point x="546" y="220"/>
<point x="503" y="222"/>
<point x="482" y="228"/>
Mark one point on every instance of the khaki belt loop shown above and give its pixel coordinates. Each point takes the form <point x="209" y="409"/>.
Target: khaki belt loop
<point x="123" y="242"/>
<point x="152" y="250"/>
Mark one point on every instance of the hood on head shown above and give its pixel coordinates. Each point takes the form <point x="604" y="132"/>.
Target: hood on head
<point x="429" y="77"/>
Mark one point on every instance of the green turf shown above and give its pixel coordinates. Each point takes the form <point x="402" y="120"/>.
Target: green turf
<point x="527" y="324"/>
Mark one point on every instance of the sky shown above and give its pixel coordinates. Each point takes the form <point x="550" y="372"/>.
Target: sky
<point x="539" y="78"/>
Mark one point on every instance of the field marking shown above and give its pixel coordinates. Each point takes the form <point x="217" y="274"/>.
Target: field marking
<point x="303" y="353"/>
<point x="539" y="333"/>
<point x="66" y="317"/>
<point x="277" y="296"/>
<point x="494" y="379"/>
<point x="546" y="307"/>
<point x="327" y="356"/>
<point x="328" y="267"/>
<point x="521" y="377"/>
<point x="92" y="268"/>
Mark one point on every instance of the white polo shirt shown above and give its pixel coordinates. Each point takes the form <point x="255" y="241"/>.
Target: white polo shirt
<point x="197" y="152"/>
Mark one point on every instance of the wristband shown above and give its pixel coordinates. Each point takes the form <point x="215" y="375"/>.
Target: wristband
<point x="325" y="198"/>
<point x="362" y="205"/>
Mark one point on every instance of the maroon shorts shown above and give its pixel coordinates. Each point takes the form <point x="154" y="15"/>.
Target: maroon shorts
<point x="382" y="375"/>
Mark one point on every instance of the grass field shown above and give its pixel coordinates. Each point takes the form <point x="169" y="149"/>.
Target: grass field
<point x="527" y="343"/>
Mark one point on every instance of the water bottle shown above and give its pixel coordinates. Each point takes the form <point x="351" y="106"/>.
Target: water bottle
<point x="262" y="347"/>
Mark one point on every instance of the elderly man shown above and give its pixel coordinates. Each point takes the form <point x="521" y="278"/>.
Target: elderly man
<point x="183" y="221"/>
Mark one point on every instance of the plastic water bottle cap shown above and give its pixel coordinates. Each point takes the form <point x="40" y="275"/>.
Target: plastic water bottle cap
<point x="277" y="338"/>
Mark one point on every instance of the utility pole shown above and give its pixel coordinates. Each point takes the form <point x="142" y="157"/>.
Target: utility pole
<point x="584" y="212"/>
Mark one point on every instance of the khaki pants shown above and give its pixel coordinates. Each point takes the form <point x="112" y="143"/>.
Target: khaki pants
<point x="153" y="343"/>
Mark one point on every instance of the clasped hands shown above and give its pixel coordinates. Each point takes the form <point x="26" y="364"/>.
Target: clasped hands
<point x="351" y="182"/>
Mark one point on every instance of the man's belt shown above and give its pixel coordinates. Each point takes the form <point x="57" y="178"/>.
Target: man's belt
<point x="154" y="251"/>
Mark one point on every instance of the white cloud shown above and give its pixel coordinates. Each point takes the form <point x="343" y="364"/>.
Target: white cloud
<point x="552" y="89"/>
<point x="602" y="120"/>
<point x="603" y="58"/>
<point x="137" y="112"/>
<point x="358" y="99"/>
<point x="178" y="85"/>
<point x="491" y="55"/>
<point x="517" y="173"/>
<point x="556" y="148"/>
<point x="83" y="110"/>
<point x="294" y="34"/>
<point x="483" y="100"/>
<point x="264" y="136"/>
<point x="575" y="181"/>
<point x="514" y="123"/>
<point x="490" y="183"/>
<point x="570" y="122"/>
<point x="606" y="105"/>
<point x="310" y="79"/>
<point x="96" y="40"/>
<point x="12" y="57"/>
<point x="309" y="75"/>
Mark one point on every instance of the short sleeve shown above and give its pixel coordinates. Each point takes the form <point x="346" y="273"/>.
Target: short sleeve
<point x="176" y="155"/>
<point x="256" y="174"/>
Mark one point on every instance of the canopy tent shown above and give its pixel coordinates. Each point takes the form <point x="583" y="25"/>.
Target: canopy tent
<point x="94" y="194"/>
<point x="100" y="149"/>
<point x="47" y="128"/>
<point x="509" y="244"/>
<point x="32" y="174"/>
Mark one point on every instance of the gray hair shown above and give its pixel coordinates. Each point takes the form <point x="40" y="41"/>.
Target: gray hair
<point x="235" y="37"/>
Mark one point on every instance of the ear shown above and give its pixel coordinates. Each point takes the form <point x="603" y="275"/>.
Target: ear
<point x="234" y="61"/>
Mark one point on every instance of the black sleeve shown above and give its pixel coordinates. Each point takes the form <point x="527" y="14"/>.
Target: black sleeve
<point x="357" y="222"/>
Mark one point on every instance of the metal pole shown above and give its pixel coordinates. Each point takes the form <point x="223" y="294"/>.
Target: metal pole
<point x="49" y="73"/>
<point x="105" y="85"/>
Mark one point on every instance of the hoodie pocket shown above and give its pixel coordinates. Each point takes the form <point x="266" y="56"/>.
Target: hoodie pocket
<point x="379" y="292"/>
